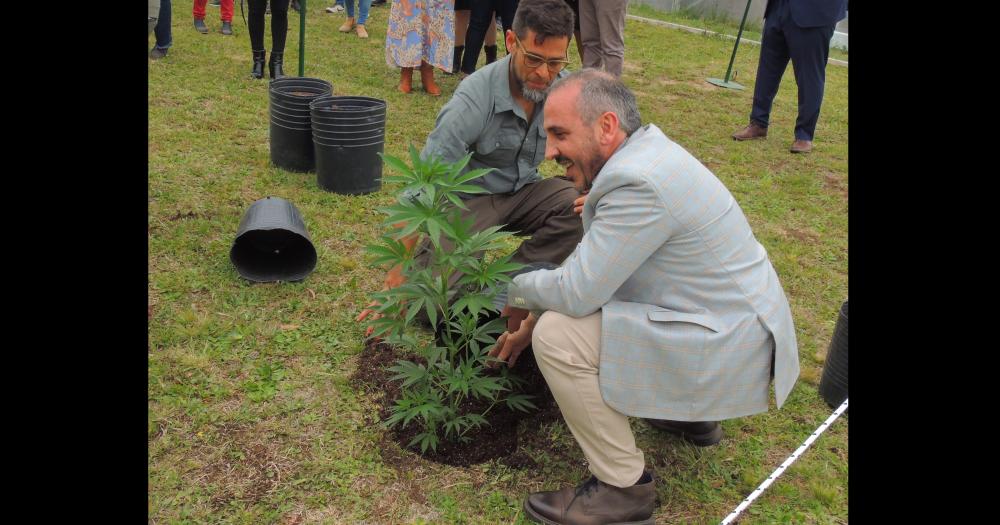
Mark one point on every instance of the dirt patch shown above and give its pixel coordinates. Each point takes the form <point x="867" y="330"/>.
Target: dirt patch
<point x="835" y="184"/>
<point x="247" y="467"/>
<point x="189" y="215"/>
<point x="501" y="433"/>
<point x="806" y="236"/>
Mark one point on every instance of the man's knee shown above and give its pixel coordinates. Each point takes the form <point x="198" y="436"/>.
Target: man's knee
<point x="555" y="339"/>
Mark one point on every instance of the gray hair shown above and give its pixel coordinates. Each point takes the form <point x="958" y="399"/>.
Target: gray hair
<point x="602" y="92"/>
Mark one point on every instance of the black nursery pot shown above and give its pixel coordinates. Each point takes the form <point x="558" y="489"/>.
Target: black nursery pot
<point x="272" y="243"/>
<point x="833" y="384"/>
<point x="348" y="136"/>
<point x="290" y="121"/>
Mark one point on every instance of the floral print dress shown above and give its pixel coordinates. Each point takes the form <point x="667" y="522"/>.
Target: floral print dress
<point x="421" y="30"/>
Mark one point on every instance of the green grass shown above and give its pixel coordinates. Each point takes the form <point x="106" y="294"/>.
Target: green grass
<point x="251" y="418"/>
<point x="717" y="23"/>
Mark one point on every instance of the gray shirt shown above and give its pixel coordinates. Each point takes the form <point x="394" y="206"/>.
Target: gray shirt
<point x="484" y="119"/>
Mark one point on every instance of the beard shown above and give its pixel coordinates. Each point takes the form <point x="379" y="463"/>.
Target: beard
<point x="535" y="95"/>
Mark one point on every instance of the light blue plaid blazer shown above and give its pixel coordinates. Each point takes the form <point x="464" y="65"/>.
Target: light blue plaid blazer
<point x="692" y="309"/>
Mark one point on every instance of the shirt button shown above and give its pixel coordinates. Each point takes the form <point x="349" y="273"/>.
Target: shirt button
<point x="498" y="144"/>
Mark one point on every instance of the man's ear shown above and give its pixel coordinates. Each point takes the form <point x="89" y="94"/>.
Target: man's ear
<point x="509" y="38"/>
<point x="608" y="126"/>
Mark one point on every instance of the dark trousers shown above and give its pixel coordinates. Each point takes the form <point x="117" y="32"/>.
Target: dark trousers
<point x="543" y="210"/>
<point x="163" y="37"/>
<point x="279" y="24"/>
<point x="481" y="21"/>
<point x="808" y="48"/>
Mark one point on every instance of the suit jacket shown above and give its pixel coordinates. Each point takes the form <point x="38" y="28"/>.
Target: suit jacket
<point x="813" y="13"/>
<point x="692" y="308"/>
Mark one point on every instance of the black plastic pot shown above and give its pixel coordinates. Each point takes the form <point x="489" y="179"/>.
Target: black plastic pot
<point x="348" y="136"/>
<point x="290" y="121"/>
<point x="349" y="170"/>
<point x="833" y="384"/>
<point x="272" y="243"/>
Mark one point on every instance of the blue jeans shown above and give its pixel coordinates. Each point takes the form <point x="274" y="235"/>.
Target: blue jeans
<point x="163" y="37"/>
<point x="363" y="6"/>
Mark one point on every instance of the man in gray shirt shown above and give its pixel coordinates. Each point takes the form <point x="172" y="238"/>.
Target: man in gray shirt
<point x="496" y="114"/>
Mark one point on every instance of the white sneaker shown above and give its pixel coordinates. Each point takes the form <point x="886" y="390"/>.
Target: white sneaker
<point x="335" y="9"/>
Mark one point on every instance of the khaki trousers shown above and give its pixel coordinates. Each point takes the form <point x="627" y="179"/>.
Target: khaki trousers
<point x="602" y="33"/>
<point x="568" y="353"/>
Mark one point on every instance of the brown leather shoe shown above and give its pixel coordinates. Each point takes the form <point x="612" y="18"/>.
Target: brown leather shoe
<point x="753" y="131"/>
<point x="802" y="146"/>
<point x="593" y="503"/>
<point x="700" y="433"/>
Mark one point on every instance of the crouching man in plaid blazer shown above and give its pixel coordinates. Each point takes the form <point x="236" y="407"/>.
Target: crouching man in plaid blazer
<point x="668" y="309"/>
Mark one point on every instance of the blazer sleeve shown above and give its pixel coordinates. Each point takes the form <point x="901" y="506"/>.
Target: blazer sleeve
<point x="630" y="223"/>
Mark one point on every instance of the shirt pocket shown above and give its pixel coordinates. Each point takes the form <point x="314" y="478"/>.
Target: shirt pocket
<point x="499" y="150"/>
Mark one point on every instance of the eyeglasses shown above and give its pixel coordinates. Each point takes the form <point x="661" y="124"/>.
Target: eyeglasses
<point x="534" y="61"/>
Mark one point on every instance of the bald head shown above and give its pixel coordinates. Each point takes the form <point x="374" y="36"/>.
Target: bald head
<point x="600" y="93"/>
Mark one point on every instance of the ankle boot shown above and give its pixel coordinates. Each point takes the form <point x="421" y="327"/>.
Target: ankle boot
<point x="258" y="64"/>
<point x="427" y="79"/>
<point x="457" y="62"/>
<point x="491" y="54"/>
<point x="274" y="66"/>
<point x="406" y="79"/>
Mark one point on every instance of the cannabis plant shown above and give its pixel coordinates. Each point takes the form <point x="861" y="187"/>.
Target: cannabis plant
<point x="454" y="289"/>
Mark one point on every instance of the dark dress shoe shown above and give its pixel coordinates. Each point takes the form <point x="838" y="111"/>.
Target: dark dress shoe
<point x="700" y="433"/>
<point x="751" y="132"/>
<point x="593" y="503"/>
<point x="802" y="146"/>
<point x="199" y="24"/>
<point x="227" y="28"/>
<point x="157" y="53"/>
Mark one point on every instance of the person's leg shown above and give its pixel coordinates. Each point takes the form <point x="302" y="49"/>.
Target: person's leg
<point x="349" y="23"/>
<point x="480" y="21"/>
<point x="279" y="25"/>
<point x="363" y="7"/>
<point x="255" y="23"/>
<point x="199" y="9"/>
<point x="567" y="351"/>
<point x="164" y="39"/>
<point x="611" y="21"/>
<point x="505" y="9"/>
<point x="490" y="43"/>
<point x="590" y="34"/>
<point x="543" y="210"/>
<point x="809" y="49"/>
<point x="461" y="28"/>
<point x="226" y="9"/>
<point x="771" y="66"/>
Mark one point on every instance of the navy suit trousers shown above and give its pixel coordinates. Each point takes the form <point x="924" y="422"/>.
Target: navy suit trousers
<point x="808" y="49"/>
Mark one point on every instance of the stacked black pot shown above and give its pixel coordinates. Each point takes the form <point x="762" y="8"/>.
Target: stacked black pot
<point x="348" y="134"/>
<point x="291" y="129"/>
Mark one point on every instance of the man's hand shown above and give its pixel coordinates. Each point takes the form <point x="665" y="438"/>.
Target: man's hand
<point x="393" y="279"/>
<point x="514" y="317"/>
<point x="510" y="344"/>
<point x="578" y="204"/>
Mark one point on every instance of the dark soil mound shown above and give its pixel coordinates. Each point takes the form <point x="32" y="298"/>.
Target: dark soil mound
<point x="499" y="439"/>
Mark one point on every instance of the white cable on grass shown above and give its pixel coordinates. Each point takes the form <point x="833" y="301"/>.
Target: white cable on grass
<point x="795" y="455"/>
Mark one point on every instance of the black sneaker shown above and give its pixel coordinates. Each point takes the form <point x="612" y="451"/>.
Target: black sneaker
<point x="227" y="28"/>
<point x="700" y="433"/>
<point x="199" y="24"/>
<point x="157" y="53"/>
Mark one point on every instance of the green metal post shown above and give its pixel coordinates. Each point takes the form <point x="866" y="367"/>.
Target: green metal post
<point x="726" y="83"/>
<point x="302" y="37"/>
